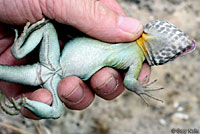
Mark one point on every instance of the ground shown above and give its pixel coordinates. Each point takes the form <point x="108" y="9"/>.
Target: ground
<point x="128" y="114"/>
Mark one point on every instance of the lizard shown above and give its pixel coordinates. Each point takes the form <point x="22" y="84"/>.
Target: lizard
<point x="160" y="43"/>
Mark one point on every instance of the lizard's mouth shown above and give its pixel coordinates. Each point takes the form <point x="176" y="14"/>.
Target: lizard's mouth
<point x="190" y="49"/>
<point x="187" y="50"/>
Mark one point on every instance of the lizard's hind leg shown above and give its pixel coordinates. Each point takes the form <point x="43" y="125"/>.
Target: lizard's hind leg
<point x="29" y="39"/>
<point x="43" y="110"/>
<point x="27" y="75"/>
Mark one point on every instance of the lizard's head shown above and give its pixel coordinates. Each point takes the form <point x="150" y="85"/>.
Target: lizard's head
<point x="163" y="42"/>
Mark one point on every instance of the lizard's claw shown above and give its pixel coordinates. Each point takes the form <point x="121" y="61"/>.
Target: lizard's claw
<point x="142" y="89"/>
<point x="29" y="28"/>
<point x="13" y="107"/>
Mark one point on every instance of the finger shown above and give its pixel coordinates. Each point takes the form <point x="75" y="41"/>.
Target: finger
<point x="94" y="18"/>
<point x="41" y="95"/>
<point x="144" y="73"/>
<point x="75" y="93"/>
<point x="107" y="83"/>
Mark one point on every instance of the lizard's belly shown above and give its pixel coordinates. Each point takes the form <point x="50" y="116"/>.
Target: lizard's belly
<point x="82" y="60"/>
<point x="81" y="66"/>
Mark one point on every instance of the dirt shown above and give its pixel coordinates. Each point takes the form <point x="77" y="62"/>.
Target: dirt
<point x="128" y="114"/>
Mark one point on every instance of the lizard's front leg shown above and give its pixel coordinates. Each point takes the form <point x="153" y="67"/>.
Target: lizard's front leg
<point x="132" y="84"/>
<point x="28" y="40"/>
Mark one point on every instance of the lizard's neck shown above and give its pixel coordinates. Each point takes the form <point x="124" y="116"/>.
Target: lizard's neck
<point x="141" y="44"/>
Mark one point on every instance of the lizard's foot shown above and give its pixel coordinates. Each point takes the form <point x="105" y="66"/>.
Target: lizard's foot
<point x="29" y="28"/>
<point x="39" y="109"/>
<point x="13" y="107"/>
<point x="142" y="89"/>
<point x="43" y="110"/>
<point x="19" y="48"/>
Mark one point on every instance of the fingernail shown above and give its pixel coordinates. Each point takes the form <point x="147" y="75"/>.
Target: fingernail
<point x="75" y="95"/>
<point x="129" y="25"/>
<point x="109" y="86"/>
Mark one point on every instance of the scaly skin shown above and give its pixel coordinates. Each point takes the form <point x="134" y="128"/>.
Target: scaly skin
<point x="82" y="57"/>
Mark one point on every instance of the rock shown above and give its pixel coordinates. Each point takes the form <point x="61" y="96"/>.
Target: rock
<point x="179" y="117"/>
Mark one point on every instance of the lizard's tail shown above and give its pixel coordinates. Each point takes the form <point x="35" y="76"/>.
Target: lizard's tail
<point x="27" y="75"/>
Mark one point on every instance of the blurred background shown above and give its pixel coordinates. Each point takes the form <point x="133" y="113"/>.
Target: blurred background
<point x="128" y="114"/>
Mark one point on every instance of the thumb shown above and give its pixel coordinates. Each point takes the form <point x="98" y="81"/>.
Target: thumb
<point x="94" y="18"/>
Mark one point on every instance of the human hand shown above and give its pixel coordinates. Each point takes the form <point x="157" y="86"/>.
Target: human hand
<point x="101" y="19"/>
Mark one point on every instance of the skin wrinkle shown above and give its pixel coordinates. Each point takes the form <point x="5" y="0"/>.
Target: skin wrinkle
<point x="6" y="10"/>
<point x="98" y="16"/>
<point x="26" y="10"/>
<point x="18" y="7"/>
<point x="68" y="11"/>
<point x="30" y="6"/>
<point x="19" y="12"/>
<point x="79" y="14"/>
<point x="112" y="4"/>
<point x="99" y="11"/>
<point x="58" y="11"/>
<point x="2" y="8"/>
<point x="62" y="11"/>
<point x="42" y="6"/>
<point x="91" y="15"/>
<point x="68" y="17"/>
<point x="114" y="27"/>
<point x="50" y="8"/>
<point x="86" y="13"/>
<point x="63" y="8"/>
<point x="91" y="9"/>
<point x="36" y="7"/>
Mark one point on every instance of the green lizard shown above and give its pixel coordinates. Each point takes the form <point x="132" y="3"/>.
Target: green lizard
<point x="161" y="42"/>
